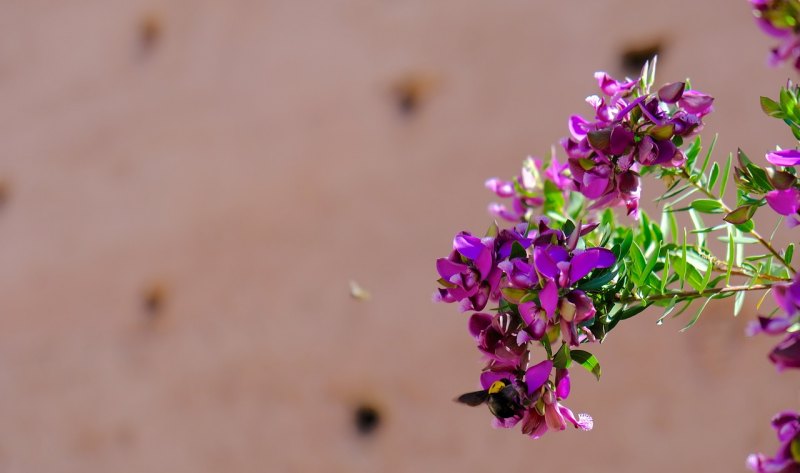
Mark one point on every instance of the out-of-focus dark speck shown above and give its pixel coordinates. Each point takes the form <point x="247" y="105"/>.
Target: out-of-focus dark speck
<point x="154" y="299"/>
<point x="151" y="29"/>
<point x="632" y="59"/>
<point x="367" y="419"/>
<point x="412" y="92"/>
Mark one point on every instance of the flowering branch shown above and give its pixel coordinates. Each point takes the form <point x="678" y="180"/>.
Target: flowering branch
<point x="685" y="175"/>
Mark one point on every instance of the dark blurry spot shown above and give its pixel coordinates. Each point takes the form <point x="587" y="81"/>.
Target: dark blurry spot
<point x="150" y="31"/>
<point x="153" y="300"/>
<point x="367" y="419"/>
<point x="411" y="92"/>
<point x="633" y="59"/>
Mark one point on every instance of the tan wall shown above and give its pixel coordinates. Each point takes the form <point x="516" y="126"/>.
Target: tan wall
<point x="246" y="159"/>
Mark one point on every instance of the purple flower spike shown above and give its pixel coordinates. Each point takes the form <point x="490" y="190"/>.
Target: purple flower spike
<point x="785" y="202"/>
<point x="537" y="375"/>
<point x="784" y="157"/>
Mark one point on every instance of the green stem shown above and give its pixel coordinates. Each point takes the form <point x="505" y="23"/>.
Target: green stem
<point x="696" y="294"/>
<point x="753" y="233"/>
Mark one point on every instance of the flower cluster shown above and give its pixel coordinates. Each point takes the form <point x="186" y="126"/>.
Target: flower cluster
<point x="528" y="189"/>
<point x="779" y="19"/>
<point x="787" y="353"/>
<point x="787" y="458"/>
<point x="631" y="128"/>
<point x="533" y="274"/>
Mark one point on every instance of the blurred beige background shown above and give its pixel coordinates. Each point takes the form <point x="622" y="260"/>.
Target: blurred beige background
<point x="188" y="187"/>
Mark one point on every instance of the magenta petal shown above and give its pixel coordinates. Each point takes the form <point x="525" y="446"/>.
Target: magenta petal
<point x="537" y="375"/>
<point x="447" y="269"/>
<point x="489" y="377"/>
<point x="785" y="202"/>
<point x="469" y="246"/>
<point x="784" y="157"/>
<point x="544" y="263"/>
<point x="548" y="297"/>
<point x="527" y="310"/>
<point x="582" y="264"/>
<point x="562" y="383"/>
<point x="594" y="186"/>
<point x="478" y="322"/>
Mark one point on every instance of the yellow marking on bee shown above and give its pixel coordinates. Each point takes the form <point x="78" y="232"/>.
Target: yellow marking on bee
<point x="496" y="387"/>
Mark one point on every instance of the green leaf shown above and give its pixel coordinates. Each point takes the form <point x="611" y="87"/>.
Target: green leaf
<point x="562" y="358"/>
<point x="708" y="155"/>
<point x="588" y="361"/>
<point x="598" y="282"/>
<point x="692" y="152"/>
<point x="698" y="223"/>
<point x="771" y="108"/>
<point x="747" y="226"/>
<point x="665" y="275"/>
<point x="789" y="253"/>
<point x="651" y="263"/>
<point x="726" y="172"/>
<point x="707" y="206"/>
<point x="743" y="159"/>
<point x="712" y="177"/>
<point x="731" y="256"/>
<point x="741" y="214"/>
<point x="738" y="240"/>
<point x="625" y="246"/>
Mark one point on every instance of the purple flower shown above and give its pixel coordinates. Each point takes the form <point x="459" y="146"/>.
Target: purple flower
<point x="785" y="202"/>
<point x="787" y="427"/>
<point x="632" y="128"/>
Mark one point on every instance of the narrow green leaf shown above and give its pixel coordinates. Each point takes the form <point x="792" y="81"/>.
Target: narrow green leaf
<point x="588" y="361"/>
<point x="738" y="240"/>
<point x="707" y="206"/>
<point x="685" y="264"/>
<point x="787" y="256"/>
<point x="712" y="177"/>
<point x="708" y="155"/>
<point x="651" y="263"/>
<point x="665" y="275"/>
<point x="731" y="256"/>
<point x="692" y="152"/>
<point x="726" y="172"/>
<point x="698" y="223"/>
